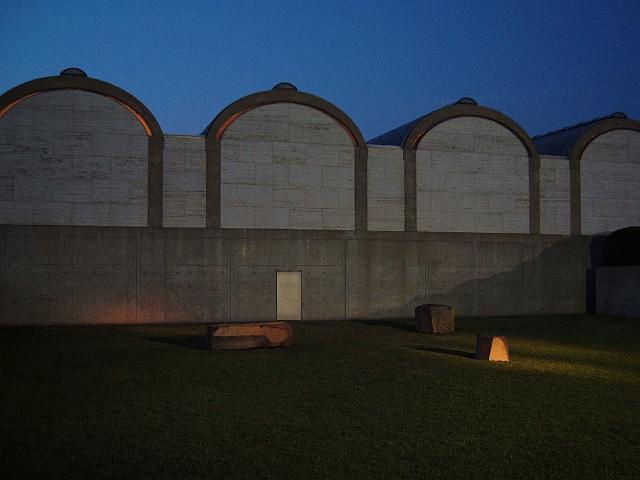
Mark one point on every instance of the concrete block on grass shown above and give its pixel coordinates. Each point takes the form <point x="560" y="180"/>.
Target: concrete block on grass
<point x="491" y="348"/>
<point x="241" y="336"/>
<point x="435" y="318"/>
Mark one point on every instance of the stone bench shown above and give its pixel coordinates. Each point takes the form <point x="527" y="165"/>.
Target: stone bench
<point x="434" y="318"/>
<point x="492" y="348"/>
<point x="241" y="336"/>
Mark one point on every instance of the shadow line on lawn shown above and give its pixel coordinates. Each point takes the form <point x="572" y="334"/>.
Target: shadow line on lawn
<point x="389" y="323"/>
<point x="445" y="351"/>
<point x="197" y="342"/>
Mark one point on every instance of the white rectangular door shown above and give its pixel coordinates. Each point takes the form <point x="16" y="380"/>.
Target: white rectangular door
<point x="289" y="300"/>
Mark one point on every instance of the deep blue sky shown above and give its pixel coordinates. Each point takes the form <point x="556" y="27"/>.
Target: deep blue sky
<point x="546" y="64"/>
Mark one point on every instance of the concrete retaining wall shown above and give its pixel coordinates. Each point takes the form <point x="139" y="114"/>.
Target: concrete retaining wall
<point x="618" y="291"/>
<point x="67" y="275"/>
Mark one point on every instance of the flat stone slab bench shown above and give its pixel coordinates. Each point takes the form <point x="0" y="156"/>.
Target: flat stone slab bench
<point x="241" y="336"/>
<point x="492" y="348"/>
<point x="435" y="318"/>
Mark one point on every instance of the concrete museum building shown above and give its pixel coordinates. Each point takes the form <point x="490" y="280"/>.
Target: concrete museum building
<point x="281" y="210"/>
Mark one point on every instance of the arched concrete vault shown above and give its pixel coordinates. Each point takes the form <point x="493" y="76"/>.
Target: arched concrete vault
<point x="77" y="80"/>
<point x="281" y="93"/>
<point x="410" y="136"/>
<point x="572" y="142"/>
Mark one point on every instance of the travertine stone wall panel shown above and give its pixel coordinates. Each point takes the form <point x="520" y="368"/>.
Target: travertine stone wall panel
<point x="184" y="181"/>
<point x="472" y="175"/>
<point x="555" y="199"/>
<point x="287" y="166"/>
<point x="610" y="182"/>
<point x="385" y="172"/>
<point x="70" y="157"/>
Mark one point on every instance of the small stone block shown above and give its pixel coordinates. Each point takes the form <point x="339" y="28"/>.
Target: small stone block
<point x="432" y="318"/>
<point x="493" y="349"/>
<point x="241" y="336"/>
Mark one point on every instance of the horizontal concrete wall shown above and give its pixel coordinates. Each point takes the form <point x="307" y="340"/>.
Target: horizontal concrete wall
<point x="66" y="275"/>
<point x="287" y="166"/>
<point x="184" y="196"/>
<point x="618" y="291"/>
<point x="610" y="182"/>
<point x="385" y="184"/>
<point x="555" y="195"/>
<point x="472" y="175"/>
<point x="71" y="157"/>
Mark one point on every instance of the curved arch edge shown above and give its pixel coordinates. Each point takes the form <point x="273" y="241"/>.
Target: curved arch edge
<point x="215" y="132"/>
<point x="22" y="92"/>
<point x="235" y="110"/>
<point x="575" y="159"/>
<point x="421" y="128"/>
<point x="152" y="128"/>
<point x="604" y="126"/>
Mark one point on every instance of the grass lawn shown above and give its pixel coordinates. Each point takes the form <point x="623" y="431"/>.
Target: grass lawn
<point x="349" y="399"/>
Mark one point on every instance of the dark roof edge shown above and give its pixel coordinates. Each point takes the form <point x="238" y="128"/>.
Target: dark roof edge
<point x="464" y="107"/>
<point x="565" y="141"/>
<point x="582" y="124"/>
<point x="398" y="135"/>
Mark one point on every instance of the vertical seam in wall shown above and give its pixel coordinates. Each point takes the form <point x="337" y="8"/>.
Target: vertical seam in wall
<point x="346" y="283"/>
<point x="474" y="307"/>
<point x="425" y="274"/>
<point x="155" y="173"/>
<point x="150" y="180"/>
<point x="301" y="292"/>
<point x="230" y="287"/>
<point x="137" y="277"/>
<point x="360" y="180"/>
<point x="575" y="196"/>
<point x="73" y="275"/>
<point x="410" y="187"/>
<point x="534" y="194"/>
<point x="213" y="169"/>
<point x="164" y="278"/>
<point x="3" y="285"/>
<point x="160" y="185"/>
<point x="522" y="275"/>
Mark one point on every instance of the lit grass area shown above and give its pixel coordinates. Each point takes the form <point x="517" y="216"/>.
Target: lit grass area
<point x="349" y="399"/>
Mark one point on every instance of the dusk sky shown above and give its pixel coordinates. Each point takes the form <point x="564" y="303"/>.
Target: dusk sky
<point x="546" y="64"/>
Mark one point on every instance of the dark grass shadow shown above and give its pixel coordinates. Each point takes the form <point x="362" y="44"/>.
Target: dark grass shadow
<point x="407" y="327"/>
<point x="196" y="342"/>
<point x="445" y="351"/>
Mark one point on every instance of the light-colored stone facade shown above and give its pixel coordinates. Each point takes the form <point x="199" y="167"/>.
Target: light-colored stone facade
<point x="184" y="181"/>
<point x="555" y="196"/>
<point x="610" y="182"/>
<point x="385" y="184"/>
<point x="287" y="166"/>
<point x="472" y="175"/>
<point x="70" y="157"/>
<point x="74" y="157"/>
<point x="296" y="167"/>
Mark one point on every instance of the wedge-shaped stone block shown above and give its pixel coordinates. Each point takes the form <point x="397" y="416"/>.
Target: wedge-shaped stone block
<point x="241" y="336"/>
<point x="434" y="318"/>
<point x="493" y="349"/>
